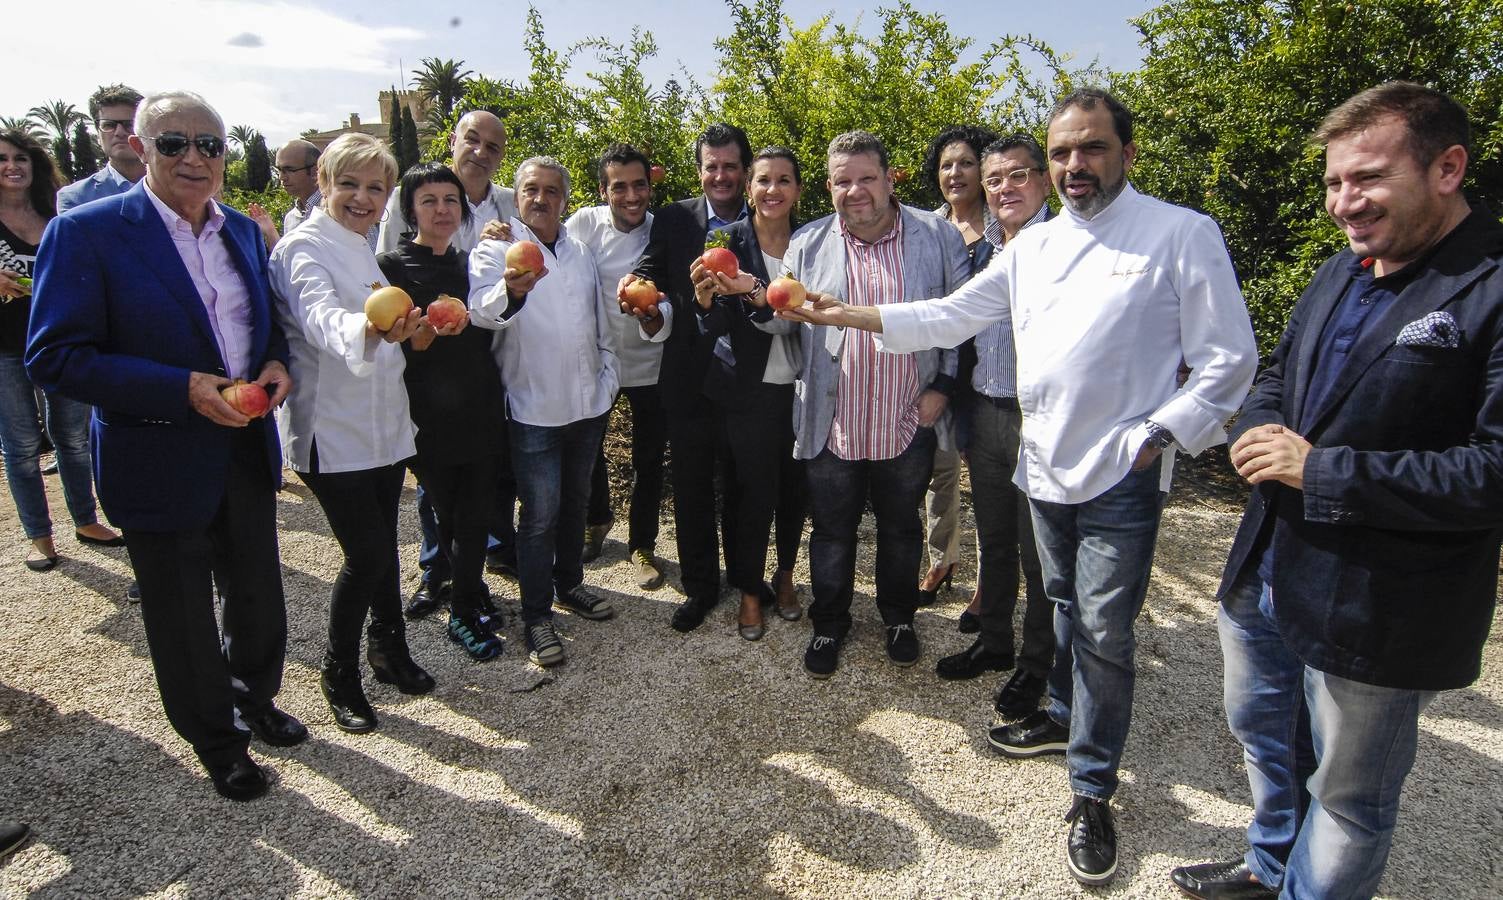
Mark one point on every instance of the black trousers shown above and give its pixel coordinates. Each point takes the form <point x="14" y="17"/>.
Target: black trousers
<point x="203" y="676"/>
<point x="362" y="511"/>
<point x="461" y="496"/>
<point x="649" y="440"/>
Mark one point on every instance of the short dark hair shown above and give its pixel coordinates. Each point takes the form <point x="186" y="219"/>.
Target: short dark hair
<point x="112" y="95"/>
<point x="46" y="180"/>
<point x="1434" y="121"/>
<point x="971" y="135"/>
<point x="622" y="155"/>
<point x="719" y="135"/>
<point x="425" y="174"/>
<point x="853" y="143"/>
<point x="1087" y="98"/>
<point x="779" y="152"/>
<point x="1024" y="142"/>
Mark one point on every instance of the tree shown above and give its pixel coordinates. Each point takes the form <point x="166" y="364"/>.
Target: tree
<point x="22" y="124"/>
<point x="257" y="164"/>
<point x="442" y="83"/>
<point x="394" y="128"/>
<point x="1231" y="91"/>
<point x="85" y="154"/>
<point x="58" y="117"/>
<point x="63" y="153"/>
<point x="410" y="155"/>
<point x="242" y="136"/>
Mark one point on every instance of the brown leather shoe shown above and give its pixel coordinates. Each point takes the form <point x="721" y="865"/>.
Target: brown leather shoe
<point x="749" y="621"/>
<point x="787" y="596"/>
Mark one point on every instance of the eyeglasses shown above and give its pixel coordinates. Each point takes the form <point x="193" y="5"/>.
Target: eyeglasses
<point x="172" y="143"/>
<point x="1015" y="178"/>
<point x="284" y="171"/>
<point x="108" y="125"/>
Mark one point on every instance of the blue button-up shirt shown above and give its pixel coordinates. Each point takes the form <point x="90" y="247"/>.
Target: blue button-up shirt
<point x="715" y="223"/>
<point x="996" y="372"/>
<point x="1365" y="299"/>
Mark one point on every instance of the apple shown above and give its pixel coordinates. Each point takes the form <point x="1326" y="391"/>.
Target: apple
<point x="525" y="256"/>
<point x="386" y="305"/>
<point x="656" y="174"/>
<point x="641" y="295"/>
<point x="722" y="261"/>
<point x="446" y="311"/>
<point x="786" y="293"/>
<point x="900" y="176"/>
<point x="246" y="398"/>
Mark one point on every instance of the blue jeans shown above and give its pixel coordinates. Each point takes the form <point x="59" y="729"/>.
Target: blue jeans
<point x="1265" y="709"/>
<point x="21" y="440"/>
<point x="552" y="465"/>
<point x="500" y="543"/>
<point x="1096" y="558"/>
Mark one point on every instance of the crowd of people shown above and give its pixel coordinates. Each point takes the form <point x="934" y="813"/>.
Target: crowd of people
<point x="1064" y="357"/>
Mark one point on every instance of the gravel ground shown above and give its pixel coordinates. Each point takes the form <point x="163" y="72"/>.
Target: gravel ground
<point x="654" y="764"/>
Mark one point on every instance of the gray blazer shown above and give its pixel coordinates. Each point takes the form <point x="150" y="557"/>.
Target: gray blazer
<point x="934" y="264"/>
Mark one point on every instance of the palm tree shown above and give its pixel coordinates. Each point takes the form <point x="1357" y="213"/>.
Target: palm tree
<point x="59" y="117"/>
<point x="242" y="135"/>
<point x="442" y="83"/>
<point x="22" y="124"/>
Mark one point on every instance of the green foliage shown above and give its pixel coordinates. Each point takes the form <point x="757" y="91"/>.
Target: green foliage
<point x="23" y="124"/>
<point x="443" y="83"/>
<point x="410" y="155"/>
<point x="57" y="117"/>
<point x="274" y="200"/>
<point x="62" y="151"/>
<point x="257" y="164"/>
<point x="1232" y="89"/>
<point x="394" y="129"/>
<point x="241" y="136"/>
<point x="86" y="157"/>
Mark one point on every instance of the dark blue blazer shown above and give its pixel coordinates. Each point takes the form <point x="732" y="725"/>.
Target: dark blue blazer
<point x="735" y="317"/>
<point x="117" y="323"/>
<point x="1386" y="565"/>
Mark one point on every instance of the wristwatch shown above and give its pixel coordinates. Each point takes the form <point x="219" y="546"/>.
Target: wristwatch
<point x="1158" y="435"/>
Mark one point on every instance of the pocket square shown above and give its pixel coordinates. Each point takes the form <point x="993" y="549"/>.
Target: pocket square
<point x="1438" y="329"/>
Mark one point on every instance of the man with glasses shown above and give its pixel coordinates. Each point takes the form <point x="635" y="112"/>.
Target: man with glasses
<point x="113" y="109"/>
<point x="1017" y="184"/>
<point x="297" y="169"/>
<point x="147" y="305"/>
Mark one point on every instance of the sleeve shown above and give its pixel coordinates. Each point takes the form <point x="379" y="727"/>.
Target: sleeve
<point x="1216" y="340"/>
<point x="605" y="337"/>
<point x="395" y="224"/>
<point x="947" y="322"/>
<point x="491" y="305"/>
<point x="69" y="329"/>
<point x="313" y="302"/>
<point x="666" y="311"/>
<point x="661" y="241"/>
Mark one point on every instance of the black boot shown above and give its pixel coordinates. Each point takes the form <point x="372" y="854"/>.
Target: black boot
<point x="390" y="661"/>
<point x="341" y="686"/>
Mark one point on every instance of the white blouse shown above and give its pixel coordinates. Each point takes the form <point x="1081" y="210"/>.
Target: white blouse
<point x="347" y="389"/>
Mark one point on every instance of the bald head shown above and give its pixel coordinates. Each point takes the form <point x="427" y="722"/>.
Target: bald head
<point x="479" y="145"/>
<point x="297" y="167"/>
<point x="297" y="152"/>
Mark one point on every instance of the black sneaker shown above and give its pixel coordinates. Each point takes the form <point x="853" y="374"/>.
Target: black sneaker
<point x="1035" y="735"/>
<point x="581" y="602"/>
<point x="1091" y="848"/>
<point x="543" y="646"/>
<point x="501" y="564"/>
<point x="902" y="645"/>
<point x="823" y="656"/>
<point x="1228" y="880"/>
<point x="474" y="634"/>
<point x="426" y="599"/>
<point x="1020" y="695"/>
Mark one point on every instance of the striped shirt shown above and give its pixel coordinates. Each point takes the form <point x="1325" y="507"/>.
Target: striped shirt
<point x="876" y="413"/>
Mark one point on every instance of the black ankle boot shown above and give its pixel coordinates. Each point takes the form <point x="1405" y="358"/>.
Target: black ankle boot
<point x="390" y="661"/>
<point x="341" y="686"/>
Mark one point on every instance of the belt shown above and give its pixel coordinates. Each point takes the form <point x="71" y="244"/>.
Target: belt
<point x="1000" y="402"/>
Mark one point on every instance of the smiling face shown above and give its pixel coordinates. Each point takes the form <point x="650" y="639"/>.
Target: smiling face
<point x="116" y="123"/>
<point x="188" y="181"/>
<point x="479" y="145"/>
<point x="862" y="193"/>
<point x="1087" y="161"/>
<point x="357" y="197"/>
<point x="439" y="210"/>
<point x="1013" y="204"/>
<point x="626" y="191"/>
<point x="774" y="188"/>
<point x="15" y="169"/>
<point x="721" y="174"/>
<point x="540" y="201"/>
<point x="959" y="174"/>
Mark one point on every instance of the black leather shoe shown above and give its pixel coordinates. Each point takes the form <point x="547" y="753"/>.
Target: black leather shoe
<point x="133" y="593"/>
<point x="973" y="661"/>
<point x="1020" y="696"/>
<point x="1229" y="880"/>
<point x="690" y="615"/>
<point x="346" y="698"/>
<point x="391" y="663"/>
<point x="13" y="836"/>
<point x="240" y="780"/>
<point x="1035" y="735"/>
<point x="501" y="565"/>
<point x="968" y="623"/>
<point x="275" y="727"/>
<point x="426" y="599"/>
<point x="1091" y="848"/>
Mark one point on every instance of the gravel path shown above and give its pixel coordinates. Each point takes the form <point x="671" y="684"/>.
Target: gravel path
<point x="653" y="764"/>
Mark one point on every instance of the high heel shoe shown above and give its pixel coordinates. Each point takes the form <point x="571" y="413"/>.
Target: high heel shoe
<point x="928" y="596"/>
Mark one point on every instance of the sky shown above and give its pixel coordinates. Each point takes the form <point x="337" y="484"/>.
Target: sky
<point x="284" y="67"/>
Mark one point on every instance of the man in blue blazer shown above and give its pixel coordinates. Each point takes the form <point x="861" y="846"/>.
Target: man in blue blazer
<point x="1364" y="575"/>
<point x="113" y="109"/>
<point x="146" y="305"/>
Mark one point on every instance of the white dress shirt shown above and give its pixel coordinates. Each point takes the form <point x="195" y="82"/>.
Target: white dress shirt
<point x="616" y="253"/>
<point x="1102" y="311"/>
<point x="499" y="203"/>
<point x="556" y="350"/>
<point x="347" y="385"/>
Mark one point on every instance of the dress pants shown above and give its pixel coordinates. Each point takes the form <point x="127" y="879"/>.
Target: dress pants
<point x="942" y="505"/>
<point x="206" y="679"/>
<point x="649" y="441"/>
<point x="461" y="496"/>
<point x="752" y="442"/>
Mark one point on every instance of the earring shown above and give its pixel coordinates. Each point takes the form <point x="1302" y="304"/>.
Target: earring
<point x="385" y="214"/>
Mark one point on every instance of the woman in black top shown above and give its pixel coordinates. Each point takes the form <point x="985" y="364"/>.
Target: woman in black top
<point x="454" y="392"/>
<point x="29" y="182"/>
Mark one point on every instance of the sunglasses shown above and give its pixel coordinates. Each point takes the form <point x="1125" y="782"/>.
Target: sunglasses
<point x="172" y="143"/>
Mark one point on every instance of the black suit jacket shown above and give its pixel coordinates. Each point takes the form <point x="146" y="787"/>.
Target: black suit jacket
<point x="734" y="317"/>
<point x="676" y="240"/>
<point x="1386" y="565"/>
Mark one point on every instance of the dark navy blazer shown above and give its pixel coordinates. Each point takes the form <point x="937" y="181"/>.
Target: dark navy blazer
<point x="117" y="323"/>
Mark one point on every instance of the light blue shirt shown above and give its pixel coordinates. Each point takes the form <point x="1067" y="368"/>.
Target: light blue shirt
<point x="715" y="223"/>
<point x="996" y="372"/>
<point x="105" y="183"/>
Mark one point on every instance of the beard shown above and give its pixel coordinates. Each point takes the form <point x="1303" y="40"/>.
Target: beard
<point x="1090" y="205"/>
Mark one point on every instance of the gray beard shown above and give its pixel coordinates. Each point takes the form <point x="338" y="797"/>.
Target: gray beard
<point x="1090" y="207"/>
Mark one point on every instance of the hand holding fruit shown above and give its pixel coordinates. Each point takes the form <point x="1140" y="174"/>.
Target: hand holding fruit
<point x="524" y="268"/>
<point x="246" y="398"/>
<point x="275" y="381"/>
<point x="817" y="309"/>
<point x="204" y="397"/>
<point x="705" y="285"/>
<point x="447" y="316"/>
<point x="13" y="284"/>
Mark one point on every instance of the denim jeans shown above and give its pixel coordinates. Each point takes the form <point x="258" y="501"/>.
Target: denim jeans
<point x="1096" y="558"/>
<point x="21" y="440"/>
<point x="838" y="493"/>
<point x="552" y="465"/>
<point x="500" y="542"/>
<point x="1265" y="709"/>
